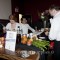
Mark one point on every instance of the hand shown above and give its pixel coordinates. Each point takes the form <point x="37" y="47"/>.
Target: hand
<point x="4" y="29"/>
<point x="46" y="33"/>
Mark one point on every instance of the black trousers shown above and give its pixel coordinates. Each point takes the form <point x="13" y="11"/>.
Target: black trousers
<point x="57" y="50"/>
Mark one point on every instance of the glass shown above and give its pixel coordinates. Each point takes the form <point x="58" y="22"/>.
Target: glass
<point x="2" y="42"/>
<point x="24" y="39"/>
<point x="30" y="39"/>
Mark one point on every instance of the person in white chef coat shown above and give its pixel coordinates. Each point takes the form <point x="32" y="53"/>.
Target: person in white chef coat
<point x="25" y="26"/>
<point x="54" y="33"/>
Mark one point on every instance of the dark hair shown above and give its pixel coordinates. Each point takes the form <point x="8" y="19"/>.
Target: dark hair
<point x="54" y="7"/>
<point x="13" y="17"/>
<point x="23" y="18"/>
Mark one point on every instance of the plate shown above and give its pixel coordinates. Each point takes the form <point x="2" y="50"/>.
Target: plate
<point x="24" y="54"/>
<point x="31" y="52"/>
<point x="42" y="37"/>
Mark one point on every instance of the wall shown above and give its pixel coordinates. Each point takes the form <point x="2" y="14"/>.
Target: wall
<point x="5" y="9"/>
<point x="31" y="7"/>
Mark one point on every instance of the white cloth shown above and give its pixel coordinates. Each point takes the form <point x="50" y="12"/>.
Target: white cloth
<point x="51" y="20"/>
<point x="25" y="28"/>
<point x="54" y="33"/>
<point x="8" y="26"/>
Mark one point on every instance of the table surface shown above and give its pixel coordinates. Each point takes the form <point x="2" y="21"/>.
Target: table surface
<point x="9" y="55"/>
<point x="26" y="47"/>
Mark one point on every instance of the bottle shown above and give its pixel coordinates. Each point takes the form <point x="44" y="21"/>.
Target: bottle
<point x="18" y="30"/>
<point x="18" y="35"/>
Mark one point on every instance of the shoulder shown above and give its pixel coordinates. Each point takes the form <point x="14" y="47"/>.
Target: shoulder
<point x="20" y="24"/>
<point x="9" y="24"/>
<point x="17" y="24"/>
<point x="57" y="19"/>
<point x="27" y="24"/>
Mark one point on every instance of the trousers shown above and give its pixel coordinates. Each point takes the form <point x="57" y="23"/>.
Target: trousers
<point x="56" y="50"/>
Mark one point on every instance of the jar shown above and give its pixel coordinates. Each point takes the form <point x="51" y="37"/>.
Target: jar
<point x="24" y="39"/>
<point x="29" y="42"/>
<point x="2" y="42"/>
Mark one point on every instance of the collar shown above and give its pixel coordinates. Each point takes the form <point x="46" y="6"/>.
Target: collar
<point x="58" y="13"/>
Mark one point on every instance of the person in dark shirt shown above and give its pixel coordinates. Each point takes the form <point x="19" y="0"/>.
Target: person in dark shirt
<point x="1" y="29"/>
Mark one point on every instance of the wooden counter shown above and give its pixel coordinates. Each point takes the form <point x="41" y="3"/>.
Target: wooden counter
<point x="9" y="55"/>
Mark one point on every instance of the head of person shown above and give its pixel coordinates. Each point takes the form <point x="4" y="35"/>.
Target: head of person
<point x="24" y="20"/>
<point x="12" y="19"/>
<point x="53" y="10"/>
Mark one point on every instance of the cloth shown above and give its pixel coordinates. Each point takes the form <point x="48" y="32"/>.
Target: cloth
<point x="54" y="33"/>
<point x="8" y="26"/>
<point x="51" y="44"/>
<point x="25" y="28"/>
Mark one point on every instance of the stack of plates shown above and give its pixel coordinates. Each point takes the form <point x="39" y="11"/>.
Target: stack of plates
<point x="42" y="37"/>
<point x="31" y="52"/>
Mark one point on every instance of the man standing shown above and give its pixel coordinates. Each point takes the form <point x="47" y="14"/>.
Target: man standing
<point x="54" y="33"/>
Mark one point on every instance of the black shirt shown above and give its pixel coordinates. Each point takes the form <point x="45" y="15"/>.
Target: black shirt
<point x="1" y="29"/>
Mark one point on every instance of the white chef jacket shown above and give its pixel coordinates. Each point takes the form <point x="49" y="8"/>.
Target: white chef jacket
<point x="54" y="33"/>
<point x="8" y="26"/>
<point x="25" y="28"/>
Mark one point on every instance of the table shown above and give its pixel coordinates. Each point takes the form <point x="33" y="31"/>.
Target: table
<point x="9" y="55"/>
<point x="26" y="47"/>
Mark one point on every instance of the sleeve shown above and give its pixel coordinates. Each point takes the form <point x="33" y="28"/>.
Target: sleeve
<point x="31" y="29"/>
<point x="54" y="30"/>
<point x="7" y="26"/>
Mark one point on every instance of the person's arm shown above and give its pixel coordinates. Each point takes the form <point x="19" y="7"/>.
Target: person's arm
<point x="54" y="30"/>
<point x="31" y="28"/>
<point x="4" y="29"/>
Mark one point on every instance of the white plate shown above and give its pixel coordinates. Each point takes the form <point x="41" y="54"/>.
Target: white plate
<point x="42" y="37"/>
<point x="31" y="52"/>
<point x="37" y="33"/>
<point x="24" y="54"/>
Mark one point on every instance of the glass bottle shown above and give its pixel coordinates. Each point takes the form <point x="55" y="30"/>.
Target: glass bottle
<point x="18" y="35"/>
